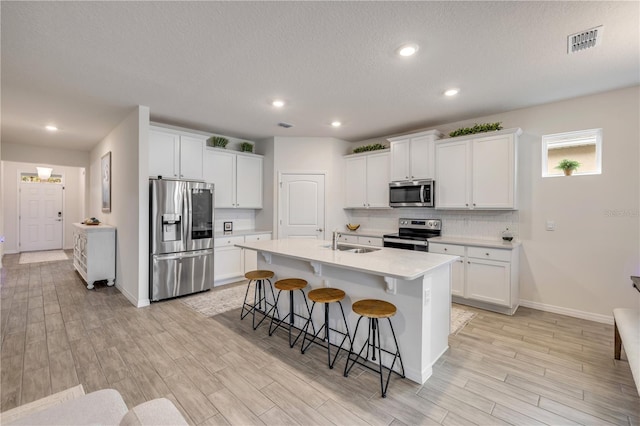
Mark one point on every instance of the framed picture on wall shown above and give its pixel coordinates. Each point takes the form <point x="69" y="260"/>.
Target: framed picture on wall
<point x="105" y="173"/>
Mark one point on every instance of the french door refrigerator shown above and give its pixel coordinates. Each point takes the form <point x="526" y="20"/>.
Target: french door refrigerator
<point x="181" y="238"/>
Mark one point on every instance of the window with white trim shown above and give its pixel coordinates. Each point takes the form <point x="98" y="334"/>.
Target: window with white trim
<point x="583" y="147"/>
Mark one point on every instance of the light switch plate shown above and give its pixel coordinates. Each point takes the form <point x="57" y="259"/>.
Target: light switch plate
<point x="551" y="225"/>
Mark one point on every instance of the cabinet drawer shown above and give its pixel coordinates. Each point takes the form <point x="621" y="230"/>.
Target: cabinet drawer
<point x="370" y="241"/>
<point x="258" y="237"/>
<point x="446" y="249"/>
<point x="348" y="239"/>
<point x="227" y="241"/>
<point x="489" y="253"/>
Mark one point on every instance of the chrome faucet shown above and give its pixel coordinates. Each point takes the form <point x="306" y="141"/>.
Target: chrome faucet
<point x="334" y="242"/>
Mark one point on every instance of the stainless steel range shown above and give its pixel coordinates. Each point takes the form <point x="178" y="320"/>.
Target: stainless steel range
<point x="414" y="234"/>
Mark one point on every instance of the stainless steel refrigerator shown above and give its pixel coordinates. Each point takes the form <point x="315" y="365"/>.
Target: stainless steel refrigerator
<point x="181" y="238"/>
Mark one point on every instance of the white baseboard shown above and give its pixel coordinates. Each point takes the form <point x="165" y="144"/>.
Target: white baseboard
<point x="605" y="319"/>
<point x="134" y="301"/>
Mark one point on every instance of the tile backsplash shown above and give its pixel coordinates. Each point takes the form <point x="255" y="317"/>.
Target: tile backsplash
<point x="242" y="219"/>
<point x="483" y="225"/>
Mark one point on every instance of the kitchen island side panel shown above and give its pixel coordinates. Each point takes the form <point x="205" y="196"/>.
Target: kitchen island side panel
<point x="423" y="305"/>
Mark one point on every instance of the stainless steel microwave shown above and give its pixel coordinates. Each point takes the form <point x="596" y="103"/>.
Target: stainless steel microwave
<point x="413" y="193"/>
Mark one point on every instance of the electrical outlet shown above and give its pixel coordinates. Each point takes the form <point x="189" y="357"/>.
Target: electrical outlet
<point x="551" y="225"/>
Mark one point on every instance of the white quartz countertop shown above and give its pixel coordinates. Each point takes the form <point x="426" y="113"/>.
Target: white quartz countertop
<point x="241" y="232"/>
<point x="96" y="228"/>
<point x="388" y="262"/>
<point x="461" y="241"/>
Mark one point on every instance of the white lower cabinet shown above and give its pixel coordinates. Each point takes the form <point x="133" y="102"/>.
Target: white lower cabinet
<point x="94" y="253"/>
<point x="365" y="241"/>
<point x="231" y="262"/>
<point x="484" y="277"/>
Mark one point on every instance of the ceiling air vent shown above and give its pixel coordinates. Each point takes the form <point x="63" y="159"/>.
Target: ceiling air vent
<point x="584" y="40"/>
<point x="285" y="125"/>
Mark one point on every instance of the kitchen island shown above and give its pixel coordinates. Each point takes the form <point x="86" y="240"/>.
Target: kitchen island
<point x="418" y="283"/>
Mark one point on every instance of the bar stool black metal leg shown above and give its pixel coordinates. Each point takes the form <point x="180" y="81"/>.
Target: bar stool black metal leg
<point x="290" y="316"/>
<point x="397" y="348"/>
<point x="355" y="333"/>
<point x="244" y="304"/>
<point x="273" y="317"/>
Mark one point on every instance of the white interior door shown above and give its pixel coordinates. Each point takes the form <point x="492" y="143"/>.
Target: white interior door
<point x="40" y="216"/>
<point x="301" y="206"/>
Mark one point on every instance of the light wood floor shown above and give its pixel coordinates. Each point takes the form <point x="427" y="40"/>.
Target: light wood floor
<point x="532" y="368"/>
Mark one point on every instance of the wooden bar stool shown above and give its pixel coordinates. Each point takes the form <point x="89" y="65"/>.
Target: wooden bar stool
<point x="325" y="296"/>
<point x="290" y="285"/>
<point x="260" y="303"/>
<point x="374" y="310"/>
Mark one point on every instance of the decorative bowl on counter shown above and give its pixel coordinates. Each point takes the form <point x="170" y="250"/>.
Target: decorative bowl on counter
<point x="91" y="221"/>
<point x="352" y="227"/>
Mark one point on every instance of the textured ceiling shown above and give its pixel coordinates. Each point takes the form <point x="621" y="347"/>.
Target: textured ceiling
<point x="215" y="66"/>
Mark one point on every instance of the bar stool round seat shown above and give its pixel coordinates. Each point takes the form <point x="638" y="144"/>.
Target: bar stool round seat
<point x="290" y="285"/>
<point x="260" y="303"/>
<point x="326" y="296"/>
<point x="374" y="310"/>
<point x="259" y="274"/>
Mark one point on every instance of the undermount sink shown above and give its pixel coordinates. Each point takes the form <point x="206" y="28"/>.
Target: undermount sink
<point x="353" y="249"/>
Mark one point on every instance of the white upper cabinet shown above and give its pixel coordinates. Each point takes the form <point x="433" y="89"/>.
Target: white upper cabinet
<point x="237" y="178"/>
<point x="249" y="181"/>
<point x="477" y="171"/>
<point x="412" y="156"/>
<point x="174" y="154"/>
<point x="367" y="180"/>
<point x="191" y="149"/>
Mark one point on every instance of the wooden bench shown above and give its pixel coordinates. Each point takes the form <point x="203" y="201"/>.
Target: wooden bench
<point x="627" y="330"/>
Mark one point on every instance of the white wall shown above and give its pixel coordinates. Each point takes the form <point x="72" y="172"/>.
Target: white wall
<point x="73" y="206"/>
<point x="297" y="154"/>
<point x="583" y="267"/>
<point x="264" y="218"/>
<point x="129" y="145"/>
<point x="44" y="155"/>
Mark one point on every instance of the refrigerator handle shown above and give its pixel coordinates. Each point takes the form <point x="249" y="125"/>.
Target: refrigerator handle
<point x="183" y="255"/>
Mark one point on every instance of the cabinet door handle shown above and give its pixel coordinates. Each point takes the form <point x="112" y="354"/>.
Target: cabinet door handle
<point x="446" y="249"/>
<point x="319" y="230"/>
<point x="487" y="254"/>
<point x="467" y="204"/>
<point x="468" y="262"/>
<point x="474" y="204"/>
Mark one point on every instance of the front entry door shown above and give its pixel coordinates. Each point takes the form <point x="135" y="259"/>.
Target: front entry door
<point x="301" y="206"/>
<point x="40" y="216"/>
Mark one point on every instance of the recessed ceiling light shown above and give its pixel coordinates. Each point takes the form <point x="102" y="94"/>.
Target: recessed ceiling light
<point x="278" y="103"/>
<point x="51" y="128"/>
<point x="451" y="92"/>
<point x="336" y="123"/>
<point x="408" y="50"/>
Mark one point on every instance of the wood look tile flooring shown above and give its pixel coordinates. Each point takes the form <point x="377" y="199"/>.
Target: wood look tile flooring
<point x="532" y="368"/>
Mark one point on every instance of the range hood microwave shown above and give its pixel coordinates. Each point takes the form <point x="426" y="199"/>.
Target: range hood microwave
<point x="412" y="193"/>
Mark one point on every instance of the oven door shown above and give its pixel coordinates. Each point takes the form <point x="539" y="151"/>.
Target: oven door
<point x="406" y="244"/>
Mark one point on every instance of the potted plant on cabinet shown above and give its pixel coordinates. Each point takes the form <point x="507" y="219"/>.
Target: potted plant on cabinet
<point x="568" y="166"/>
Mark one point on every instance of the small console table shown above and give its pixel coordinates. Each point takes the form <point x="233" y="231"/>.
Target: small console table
<point x="94" y="253"/>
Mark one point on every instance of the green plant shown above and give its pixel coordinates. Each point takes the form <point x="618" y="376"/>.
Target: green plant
<point x="366" y="148"/>
<point x="217" y="141"/>
<point x="477" y="128"/>
<point x="568" y="165"/>
<point x="246" y="147"/>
